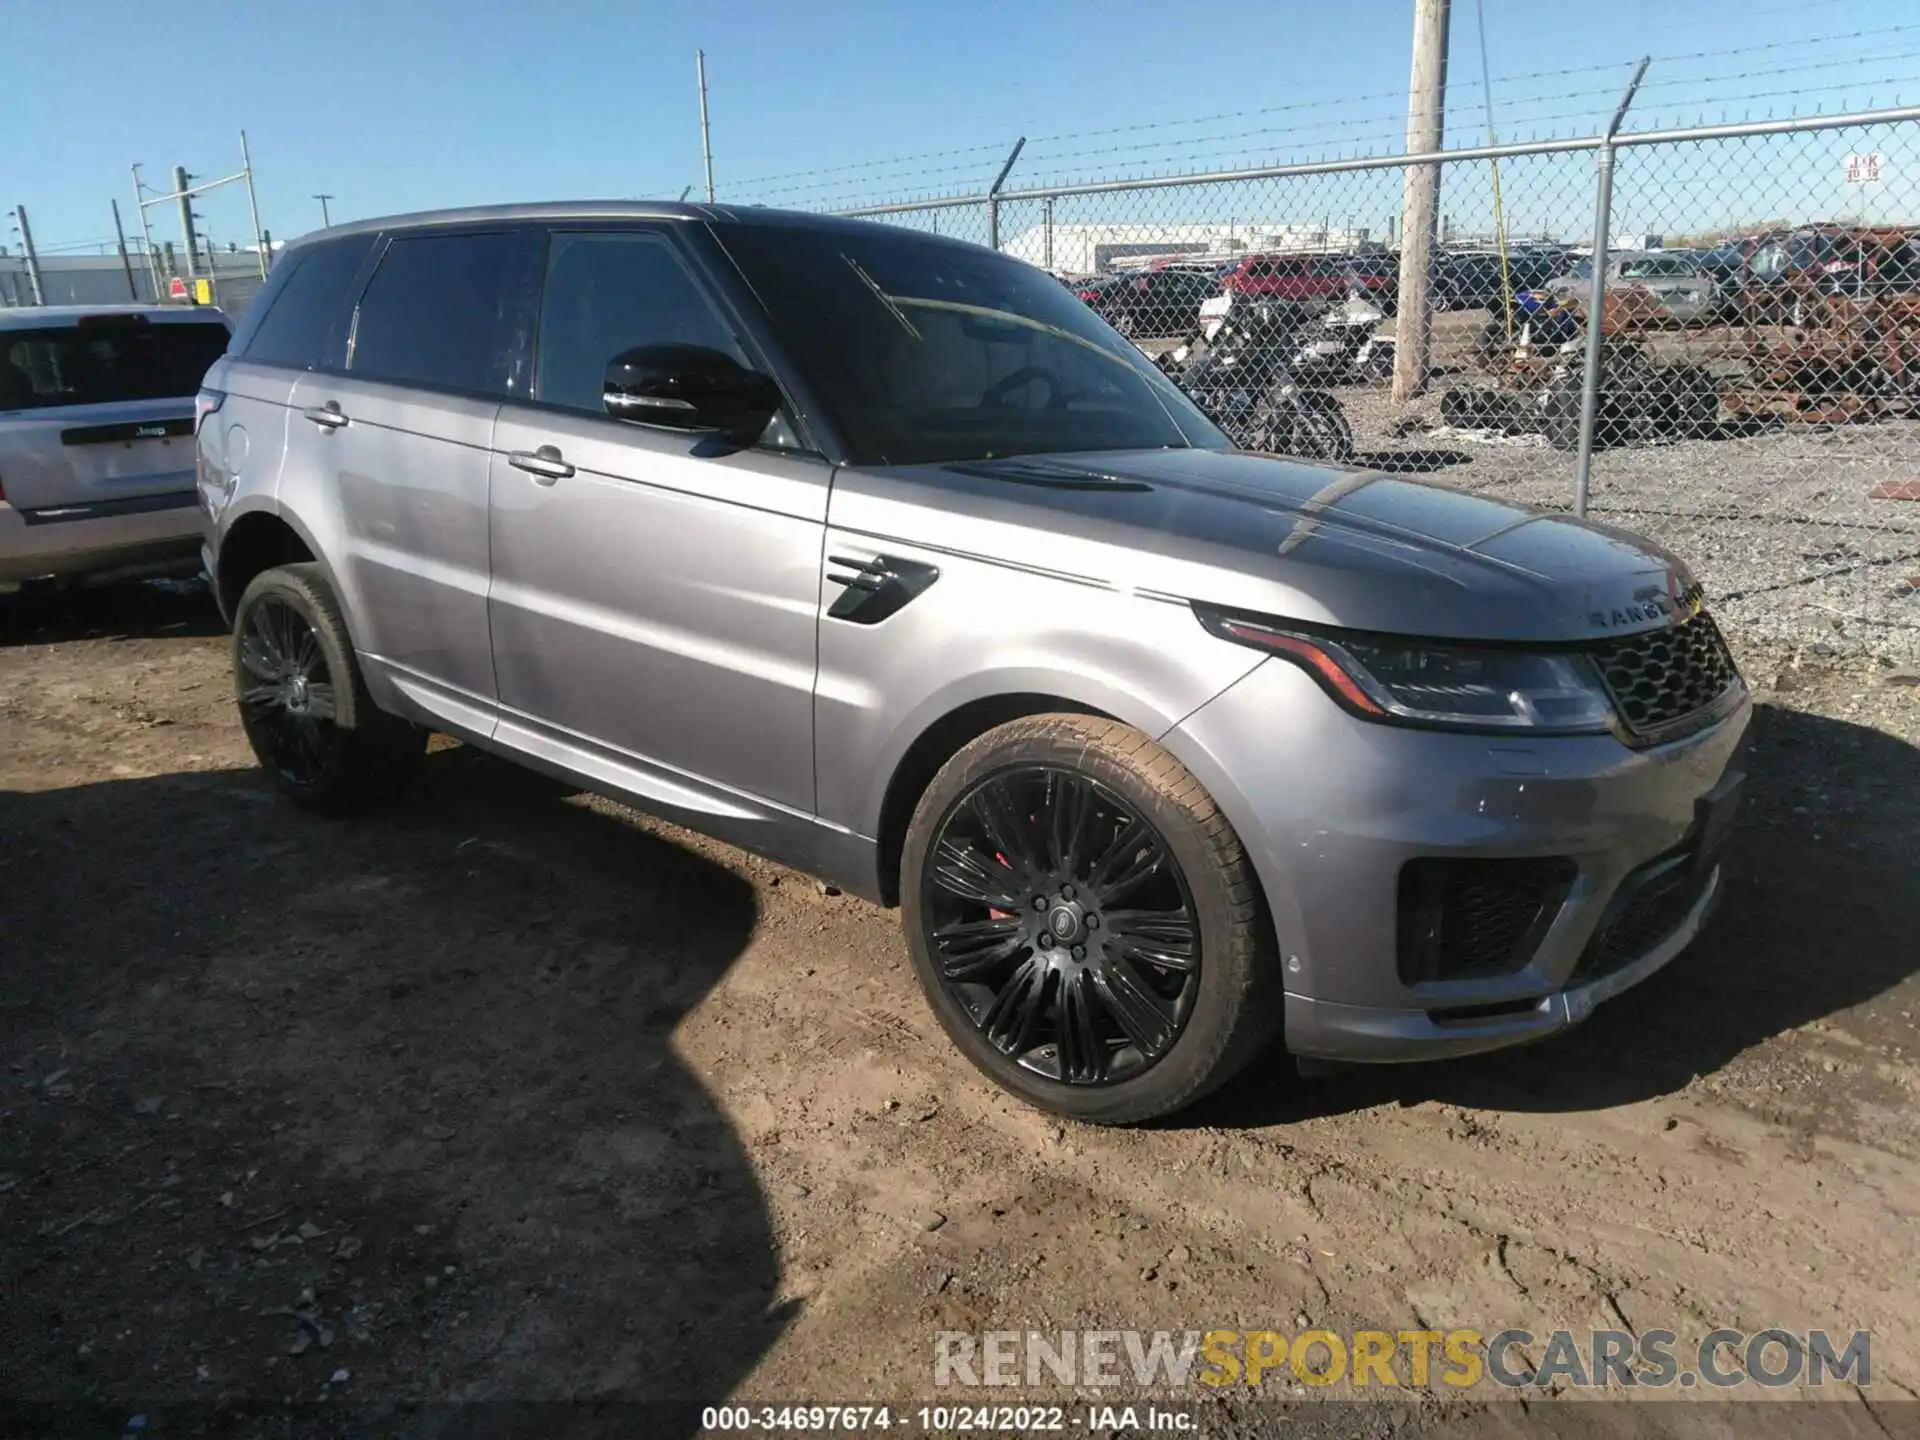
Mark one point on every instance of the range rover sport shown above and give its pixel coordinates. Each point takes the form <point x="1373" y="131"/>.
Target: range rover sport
<point x="881" y="555"/>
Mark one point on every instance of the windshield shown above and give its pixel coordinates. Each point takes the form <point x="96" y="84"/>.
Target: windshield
<point x="111" y="358"/>
<point x="925" y="351"/>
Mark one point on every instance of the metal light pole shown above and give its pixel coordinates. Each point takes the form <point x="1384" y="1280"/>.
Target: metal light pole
<point x="120" y="234"/>
<point x="253" y="204"/>
<point x="146" y="231"/>
<point x="706" y="136"/>
<point x="33" y="256"/>
<point x="325" y="219"/>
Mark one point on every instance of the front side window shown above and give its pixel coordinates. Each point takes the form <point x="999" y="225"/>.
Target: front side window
<point x="927" y="351"/>
<point x="440" y="311"/>
<point x="105" y="359"/>
<point x="611" y="292"/>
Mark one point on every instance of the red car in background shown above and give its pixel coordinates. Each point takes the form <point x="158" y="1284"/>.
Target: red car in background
<point x="1306" y="277"/>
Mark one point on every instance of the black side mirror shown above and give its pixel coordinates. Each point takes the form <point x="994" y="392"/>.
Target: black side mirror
<point x="689" y="387"/>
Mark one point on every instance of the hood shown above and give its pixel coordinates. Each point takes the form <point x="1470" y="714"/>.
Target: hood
<point x="1314" y="543"/>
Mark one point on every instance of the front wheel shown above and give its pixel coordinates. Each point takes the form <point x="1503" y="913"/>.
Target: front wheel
<point x="1084" y="921"/>
<point x="303" y="703"/>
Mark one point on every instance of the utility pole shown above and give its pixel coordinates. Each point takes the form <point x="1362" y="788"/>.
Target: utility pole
<point x="186" y="214"/>
<point x="706" y="136"/>
<point x="325" y="219"/>
<point x="120" y="234"/>
<point x="1420" y="200"/>
<point x="33" y="256"/>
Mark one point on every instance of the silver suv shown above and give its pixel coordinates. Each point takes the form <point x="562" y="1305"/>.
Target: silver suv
<point x="96" y="439"/>
<point x="883" y="556"/>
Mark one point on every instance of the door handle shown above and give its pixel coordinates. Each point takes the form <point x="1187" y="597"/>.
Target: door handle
<point x="327" y="416"/>
<point x="546" y="464"/>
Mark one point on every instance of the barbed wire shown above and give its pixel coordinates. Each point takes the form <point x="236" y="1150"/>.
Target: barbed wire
<point x="1349" y="146"/>
<point x="1036" y="145"/>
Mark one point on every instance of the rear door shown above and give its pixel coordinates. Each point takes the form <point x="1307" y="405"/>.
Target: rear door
<point x="96" y="414"/>
<point x="400" y="440"/>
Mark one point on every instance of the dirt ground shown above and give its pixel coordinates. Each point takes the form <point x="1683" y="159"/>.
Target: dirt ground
<point x="509" y="1094"/>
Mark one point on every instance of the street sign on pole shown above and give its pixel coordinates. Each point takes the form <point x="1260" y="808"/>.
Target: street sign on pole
<point x="1863" y="169"/>
<point x="176" y="288"/>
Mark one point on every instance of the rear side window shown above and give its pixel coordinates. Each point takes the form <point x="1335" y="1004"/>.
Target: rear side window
<point x="440" y="311"/>
<point x="111" y="358"/>
<point x="300" y="318"/>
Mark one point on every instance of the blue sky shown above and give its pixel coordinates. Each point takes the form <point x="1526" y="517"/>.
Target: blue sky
<point x="412" y="104"/>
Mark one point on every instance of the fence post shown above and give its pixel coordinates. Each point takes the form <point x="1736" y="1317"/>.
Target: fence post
<point x="993" y="195"/>
<point x="1597" y="295"/>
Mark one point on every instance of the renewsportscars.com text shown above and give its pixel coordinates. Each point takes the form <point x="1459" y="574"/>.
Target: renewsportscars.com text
<point x="1460" y="1358"/>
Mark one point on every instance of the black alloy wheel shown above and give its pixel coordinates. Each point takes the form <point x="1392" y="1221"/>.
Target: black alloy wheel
<point x="286" y="693"/>
<point x="303" y="702"/>
<point x="1059" y="920"/>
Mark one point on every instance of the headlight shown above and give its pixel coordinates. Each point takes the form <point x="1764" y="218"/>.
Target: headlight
<point x="1424" y="682"/>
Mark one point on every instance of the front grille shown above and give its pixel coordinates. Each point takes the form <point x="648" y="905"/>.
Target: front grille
<point x="1651" y="906"/>
<point x="1660" y="678"/>
<point x="1461" y="918"/>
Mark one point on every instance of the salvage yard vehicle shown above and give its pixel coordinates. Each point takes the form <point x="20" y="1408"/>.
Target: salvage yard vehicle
<point x="881" y="555"/>
<point x="1240" y="368"/>
<point x="96" y="439"/>
<point x="1150" y="303"/>
<point x="1680" y="288"/>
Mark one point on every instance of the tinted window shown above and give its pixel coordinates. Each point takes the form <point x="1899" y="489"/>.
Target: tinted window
<point x="927" y="351"/>
<point x="607" y="293"/>
<point x="111" y="358"/>
<point x="440" y="311"/>
<point x="300" y="319"/>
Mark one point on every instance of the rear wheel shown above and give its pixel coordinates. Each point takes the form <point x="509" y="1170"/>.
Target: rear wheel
<point x="1320" y="429"/>
<point x="1085" y="922"/>
<point x="303" y="703"/>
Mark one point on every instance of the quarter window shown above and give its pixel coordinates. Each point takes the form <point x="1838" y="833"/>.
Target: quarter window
<point x="300" y="319"/>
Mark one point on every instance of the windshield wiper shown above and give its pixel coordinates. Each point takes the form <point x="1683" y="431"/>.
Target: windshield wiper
<point x="882" y="296"/>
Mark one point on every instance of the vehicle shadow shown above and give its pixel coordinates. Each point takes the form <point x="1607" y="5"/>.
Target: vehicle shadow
<point x="135" y="610"/>
<point x="438" y="1040"/>
<point x="1809" y="928"/>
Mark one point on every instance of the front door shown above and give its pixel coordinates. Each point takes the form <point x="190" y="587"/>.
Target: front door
<point x="655" y="594"/>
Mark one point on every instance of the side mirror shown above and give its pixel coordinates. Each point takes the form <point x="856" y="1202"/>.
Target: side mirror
<point x="691" y="388"/>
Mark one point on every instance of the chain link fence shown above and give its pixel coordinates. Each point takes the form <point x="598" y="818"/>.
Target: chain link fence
<point x="1745" y="391"/>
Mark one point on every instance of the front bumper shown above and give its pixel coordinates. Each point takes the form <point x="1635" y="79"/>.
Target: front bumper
<point x="1331" y="808"/>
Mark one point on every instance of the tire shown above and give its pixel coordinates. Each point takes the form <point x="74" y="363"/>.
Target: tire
<point x="303" y="701"/>
<point x="1693" y="402"/>
<point x="1560" y="417"/>
<point x="1320" y="429"/>
<point x="982" y="925"/>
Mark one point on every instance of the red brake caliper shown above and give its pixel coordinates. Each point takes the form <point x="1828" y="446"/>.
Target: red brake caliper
<point x="992" y="913"/>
